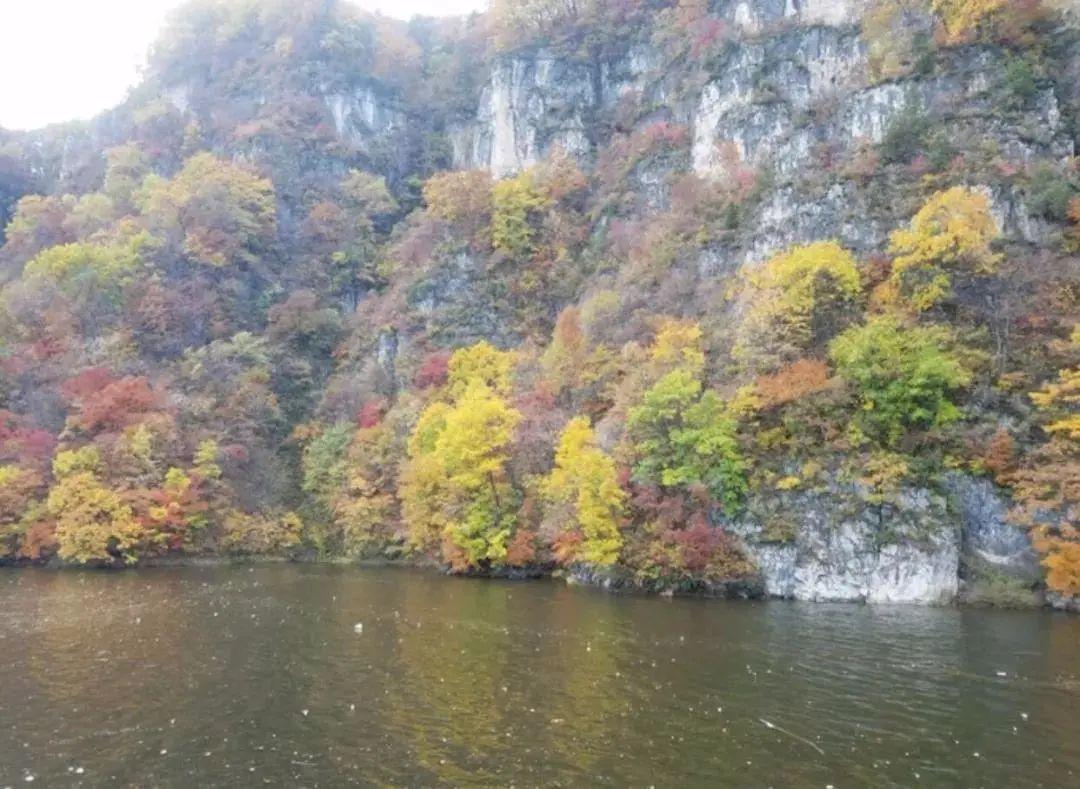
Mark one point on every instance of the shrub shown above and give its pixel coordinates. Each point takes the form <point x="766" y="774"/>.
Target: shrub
<point x="792" y="383"/>
<point x="905" y="136"/>
<point x="1049" y="194"/>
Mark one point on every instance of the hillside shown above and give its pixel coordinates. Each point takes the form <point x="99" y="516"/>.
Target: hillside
<point x="760" y="297"/>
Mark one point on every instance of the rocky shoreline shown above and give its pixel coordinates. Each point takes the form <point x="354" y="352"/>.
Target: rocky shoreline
<point x="979" y="594"/>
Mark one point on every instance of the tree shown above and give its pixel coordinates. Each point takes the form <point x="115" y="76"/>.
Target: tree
<point x="516" y="21"/>
<point x="81" y="267"/>
<point x="366" y="508"/>
<point x="39" y="222"/>
<point x="345" y="237"/>
<point x="464" y="199"/>
<point x="434" y="370"/>
<point x="93" y="523"/>
<point x="1046" y="487"/>
<point x="325" y="468"/>
<point x="520" y="22"/>
<point x="247" y="534"/>
<point x="177" y="511"/>
<point x="797" y="299"/>
<point x="793" y="383"/>
<point x="904" y="376"/>
<point x="683" y="439"/>
<point x="893" y="31"/>
<point x="456" y="482"/>
<point x="1072" y="233"/>
<point x="126" y="168"/>
<point x="677" y="346"/>
<point x="517" y="202"/>
<point x="19" y="489"/>
<point x="224" y="214"/>
<point x="113" y="405"/>
<point x="585" y="481"/>
<point x="564" y="361"/>
<point x="455" y="485"/>
<point x="951" y="234"/>
<point x="482" y="363"/>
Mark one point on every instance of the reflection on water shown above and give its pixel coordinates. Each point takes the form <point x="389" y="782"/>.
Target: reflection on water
<point x="218" y="676"/>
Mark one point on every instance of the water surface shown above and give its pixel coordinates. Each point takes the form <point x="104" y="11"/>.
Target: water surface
<point x="251" y="676"/>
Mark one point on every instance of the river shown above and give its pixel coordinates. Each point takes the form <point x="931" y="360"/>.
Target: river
<point x="257" y="675"/>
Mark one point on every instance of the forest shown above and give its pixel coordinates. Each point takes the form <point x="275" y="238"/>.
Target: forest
<point x="236" y="321"/>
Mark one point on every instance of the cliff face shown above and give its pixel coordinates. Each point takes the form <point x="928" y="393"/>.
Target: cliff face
<point x="793" y="93"/>
<point x="789" y="105"/>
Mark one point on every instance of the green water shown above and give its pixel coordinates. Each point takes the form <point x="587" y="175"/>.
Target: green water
<point x="253" y="676"/>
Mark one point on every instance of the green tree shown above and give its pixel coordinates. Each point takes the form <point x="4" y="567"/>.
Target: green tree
<point x="126" y="168"/>
<point x="81" y="267"/>
<point x="905" y="376"/>
<point x="366" y="200"/>
<point x="325" y="467"/>
<point x="684" y="438"/>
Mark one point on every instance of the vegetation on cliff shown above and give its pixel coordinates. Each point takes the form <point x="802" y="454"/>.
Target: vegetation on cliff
<point x="246" y="327"/>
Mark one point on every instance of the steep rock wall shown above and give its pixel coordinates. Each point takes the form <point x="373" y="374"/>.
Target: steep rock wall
<point x="841" y="547"/>
<point x="792" y="95"/>
<point x="921" y="546"/>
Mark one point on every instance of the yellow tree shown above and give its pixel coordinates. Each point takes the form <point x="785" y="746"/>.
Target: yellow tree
<point x="81" y="267"/>
<point x="677" y="346"/>
<point x="797" y="297"/>
<point x="463" y="199"/>
<point x="1047" y="486"/>
<point x="963" y="18"/>
<point x="952" y="233"/>
<point x="565" y="359"/>
<point x="1072" y="234"/>
<point x="517" y="203"/>
<point x="93" y="523"/>
<point x="585" y="482"/>
<point x="365" y="508"/>
<point x="424" y="493"/>
<point x="481" y="362"/>
<point x="223" y="214"/>
<point x="455" y="485"/>
<point x="473" y="451"/>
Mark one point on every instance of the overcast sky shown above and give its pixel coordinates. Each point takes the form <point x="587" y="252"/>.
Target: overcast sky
<point x="67" y="59"/>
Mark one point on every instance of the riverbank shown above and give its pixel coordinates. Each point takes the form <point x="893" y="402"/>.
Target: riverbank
<point x="1001" y="595"/>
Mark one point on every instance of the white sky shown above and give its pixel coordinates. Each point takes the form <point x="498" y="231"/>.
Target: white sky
<point x="68" y="59"/>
